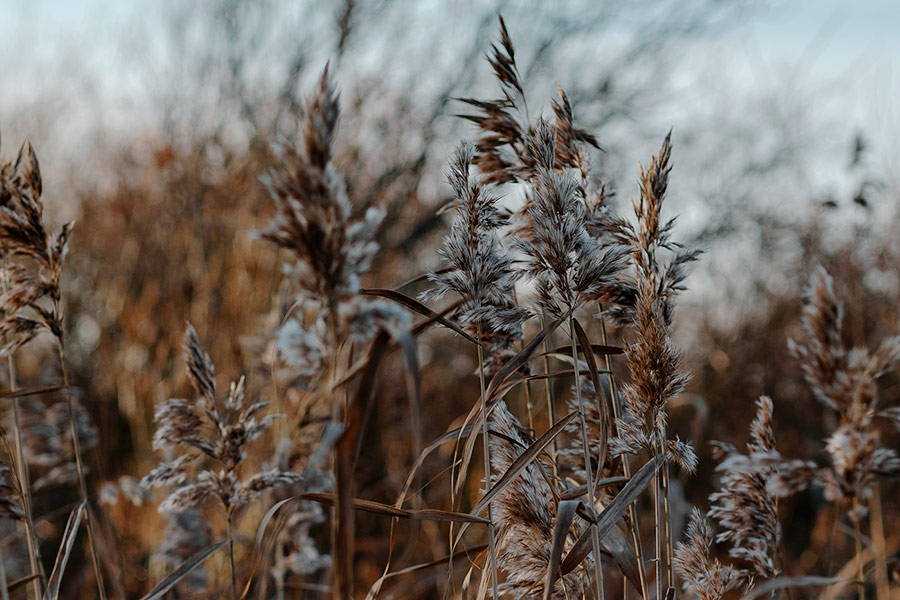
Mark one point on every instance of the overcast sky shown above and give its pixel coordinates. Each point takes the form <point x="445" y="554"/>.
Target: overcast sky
<point x="842" y="57"/>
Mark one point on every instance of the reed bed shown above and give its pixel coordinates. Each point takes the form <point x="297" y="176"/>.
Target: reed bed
<point x="566" y="308"/>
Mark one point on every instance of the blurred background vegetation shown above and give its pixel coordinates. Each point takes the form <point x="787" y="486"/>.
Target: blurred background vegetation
<point x="155" y="125"/>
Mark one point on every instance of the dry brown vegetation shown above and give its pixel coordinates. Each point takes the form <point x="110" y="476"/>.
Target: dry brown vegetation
<point x="518" y="422"/>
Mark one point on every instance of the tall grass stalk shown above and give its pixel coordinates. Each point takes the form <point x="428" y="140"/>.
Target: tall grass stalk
<point x="79" y="463"/>
<point x="589" y="472"/>
<point x="495" y="579"/>
<point x="34" y="551"/>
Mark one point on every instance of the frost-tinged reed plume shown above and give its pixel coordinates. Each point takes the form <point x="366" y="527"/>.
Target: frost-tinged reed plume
<point x="330" y="249"/>
<point x="701" y="571"/>
<point x="743" y="507"/>
<point x="219" y="433"/>
<point x="481" y="272"/>
<point x="843" y="381"/>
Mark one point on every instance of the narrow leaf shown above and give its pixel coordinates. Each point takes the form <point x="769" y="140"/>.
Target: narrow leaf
<point x="186" y="567"/>
<point x="565" y="514"/>
<point x="65" y="550"/>
<point x="416" y="306"/>
<point x="611" y="514"/>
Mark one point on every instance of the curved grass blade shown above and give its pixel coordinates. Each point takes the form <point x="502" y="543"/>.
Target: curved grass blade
<point x="186" y="567"/>
<point x="379" y="583"/>
<point x="16" y="584"/>
<point x="31" y="391"/>
<point x="516" y="468"/>
<point x="588" y="354"/>
<point x="565" y="514"/>
<point x="65" y="550"/>
<point x="428" y="514"/>
<point x="474" y="417"/>
<point x="416" y="306"/>
<point x="612" y="513"/>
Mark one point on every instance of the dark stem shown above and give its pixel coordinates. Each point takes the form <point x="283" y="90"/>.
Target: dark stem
<point x="79" y="463"/>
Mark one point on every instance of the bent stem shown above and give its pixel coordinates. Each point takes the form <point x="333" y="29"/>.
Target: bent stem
<point x="79" y="463"/>
<point x="495" y="580"/>
<point x="588" y="470"/>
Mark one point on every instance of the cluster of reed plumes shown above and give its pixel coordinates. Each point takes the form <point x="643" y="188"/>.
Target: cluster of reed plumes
<point x="579" y="492"/>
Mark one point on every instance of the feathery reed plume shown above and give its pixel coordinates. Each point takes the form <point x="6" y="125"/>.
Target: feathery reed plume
<point x="218" y="433"/>
<point x="653" y="359"/>
<point x="330" y="249"/>
<point x="31" y="300"/>
<point x="743" y="507"/>
<point x="524" y="514"/>
<point x="844" y="381"/>
<point x="10" y="182"/>
<point x="48" y="444"/>
<point x="502" y="151"/>
<point x="481" y="272"/>
<point x="701" y="571"/>
<point x="568" y="264"/>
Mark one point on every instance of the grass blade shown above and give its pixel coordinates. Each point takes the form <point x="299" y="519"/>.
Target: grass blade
<point x="416" y="306"/>
<point x="345" y="450"/>
<point x="612" y="513"/>
<point x="565" y="514"/>
<point x="186" y="567"/>
<point x="65" y="550"/>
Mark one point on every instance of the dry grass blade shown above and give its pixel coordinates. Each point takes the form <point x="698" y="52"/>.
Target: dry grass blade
<point x="780" y="583"/>
<point x="516" y="362"/>
<point x="16" y="584"/>
<point x="493" y="392"/>
<point x="612" y="513"/>
<point x="186" y="567"/>
<point x="265" y="538"/>
<point x="416" y="306"/>
<point x="581" y="490"/>
<point x="31" y="391"/>
<point x="416" y="329"/>
<point x="605" y="410"/>
<point x="345" y="451"/>
<point x="516" y="468"/>
<point x="428" y="514"/>
<point x="379" y="583"/>
<point x="523" y="461"/>
<point x="454" y="434"/>
<point x="565" y="514"/>
<point x="598" y="349"/>
<point x="623" y="554"/>
<point x="65" y="550"/>
<point x="422" y="277"/>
